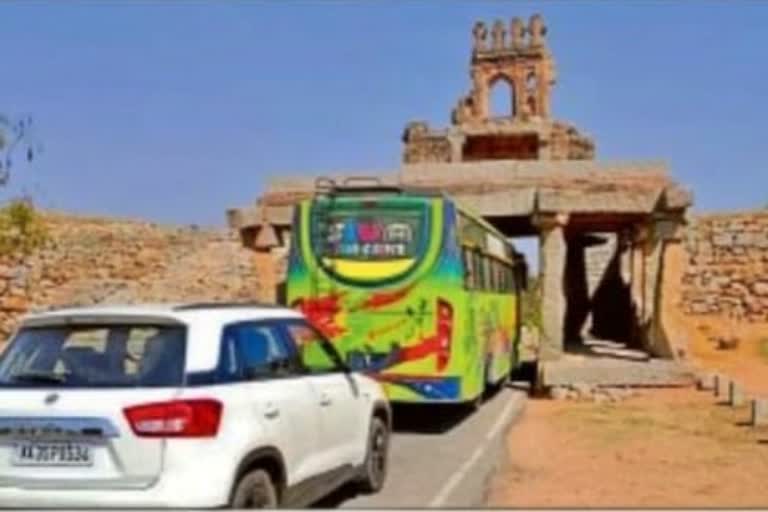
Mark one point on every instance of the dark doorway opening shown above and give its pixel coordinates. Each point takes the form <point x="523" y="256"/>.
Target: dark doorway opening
<point x="598" y="291"/>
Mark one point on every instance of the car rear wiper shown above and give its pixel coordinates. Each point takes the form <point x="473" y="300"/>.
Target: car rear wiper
<point x="33" y="376"/>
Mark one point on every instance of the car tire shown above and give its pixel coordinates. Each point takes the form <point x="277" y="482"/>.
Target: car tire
<point x="255" y="490"/>
<point x="374" y="470"/>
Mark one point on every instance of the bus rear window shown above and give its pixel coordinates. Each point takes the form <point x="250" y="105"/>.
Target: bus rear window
<point x="368" y="234"/>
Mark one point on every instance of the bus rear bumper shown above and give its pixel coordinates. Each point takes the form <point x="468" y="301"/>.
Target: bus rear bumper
<point x="425" y="388"/>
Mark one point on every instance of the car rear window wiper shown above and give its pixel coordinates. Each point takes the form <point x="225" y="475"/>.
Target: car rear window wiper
<point x="33" y="376"/>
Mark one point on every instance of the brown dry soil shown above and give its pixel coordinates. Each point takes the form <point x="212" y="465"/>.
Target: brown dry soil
<point x="664" y="448"/>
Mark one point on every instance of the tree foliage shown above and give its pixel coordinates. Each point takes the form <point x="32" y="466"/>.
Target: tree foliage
<point x="15" y="137"/>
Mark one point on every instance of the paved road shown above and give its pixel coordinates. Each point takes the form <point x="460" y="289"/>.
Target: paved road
<point x="441" y="456"/>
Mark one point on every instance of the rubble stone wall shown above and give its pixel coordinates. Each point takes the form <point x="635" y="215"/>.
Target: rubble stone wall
<point x="726" y="268"/>
<point x="96" y="260"/>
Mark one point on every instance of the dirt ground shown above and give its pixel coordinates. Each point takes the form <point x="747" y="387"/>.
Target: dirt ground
<point x="664" y="448"/>
<point x="747" y="363"/>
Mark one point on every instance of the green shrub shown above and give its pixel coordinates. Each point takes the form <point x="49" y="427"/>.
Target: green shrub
<point x="22" y="229"/>
<point x="530" y="305"/>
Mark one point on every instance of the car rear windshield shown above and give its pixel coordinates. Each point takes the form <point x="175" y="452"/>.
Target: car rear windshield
<point x="95" y="356"/>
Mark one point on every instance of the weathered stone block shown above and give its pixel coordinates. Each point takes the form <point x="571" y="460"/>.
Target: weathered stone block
<point x="722" y="239"/>
<point x="744" y="239"/>
<point x="759" y="412"/>
<point x="736" y="395"/>
<point x="760" y="288"/>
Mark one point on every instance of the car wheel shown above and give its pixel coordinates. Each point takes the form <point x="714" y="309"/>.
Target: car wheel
<point x="374" y="471"/>
<point x="255" y="489"/>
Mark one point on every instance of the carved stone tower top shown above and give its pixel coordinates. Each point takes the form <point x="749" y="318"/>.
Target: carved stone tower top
<point x="521" y="58"/>
<point x="517" y="54"/>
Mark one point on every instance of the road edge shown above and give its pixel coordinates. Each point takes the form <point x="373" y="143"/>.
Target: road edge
<point x="501" y="459"/>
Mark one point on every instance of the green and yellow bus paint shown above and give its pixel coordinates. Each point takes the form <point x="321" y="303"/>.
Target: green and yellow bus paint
<point x="412" y="289"/>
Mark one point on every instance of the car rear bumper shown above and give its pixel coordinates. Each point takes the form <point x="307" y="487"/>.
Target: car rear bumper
<point x="194" y="476"/>
<point x="158" y="496"/>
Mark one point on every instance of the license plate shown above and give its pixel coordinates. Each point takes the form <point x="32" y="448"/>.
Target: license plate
<point x="52" y="454"/>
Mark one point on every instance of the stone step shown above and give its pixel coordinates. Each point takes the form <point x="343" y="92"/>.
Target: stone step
<point x="596" y="372"/>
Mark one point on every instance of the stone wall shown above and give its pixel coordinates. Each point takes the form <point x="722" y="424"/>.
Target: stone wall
<point x="96" y="260"/>
<point x="727" y="260"/>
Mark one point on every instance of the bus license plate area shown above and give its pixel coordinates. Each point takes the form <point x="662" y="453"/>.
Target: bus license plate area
<point x="52" y="454"/>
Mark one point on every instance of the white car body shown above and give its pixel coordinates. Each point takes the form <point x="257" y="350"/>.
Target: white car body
<point x="310" y="431"/>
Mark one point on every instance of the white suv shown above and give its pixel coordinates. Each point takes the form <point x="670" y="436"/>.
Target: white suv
<point x="199" y="405"/>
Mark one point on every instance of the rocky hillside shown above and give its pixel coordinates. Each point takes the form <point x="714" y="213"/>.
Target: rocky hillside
<point x="96" y="260"/>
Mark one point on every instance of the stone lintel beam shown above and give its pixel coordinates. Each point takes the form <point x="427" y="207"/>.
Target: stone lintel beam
<point x="676" y="197"/>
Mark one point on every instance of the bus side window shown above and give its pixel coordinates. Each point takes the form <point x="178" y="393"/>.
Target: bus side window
<point x="469" y="269"/>
<point x="479" y="271"/>
<point x="488" y="274"/>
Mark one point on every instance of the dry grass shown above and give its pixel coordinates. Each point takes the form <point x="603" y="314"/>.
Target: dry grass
<point x="610" y="424"/>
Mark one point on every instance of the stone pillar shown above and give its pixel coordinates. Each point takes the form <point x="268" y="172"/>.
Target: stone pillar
<point x="457" y="140"/>
<point x="266" y="265"/>
<point x="638" y="269"/>
<point x="666" y="244"/>
<point x="552" y="257"/>
<point x="270" y="258"/>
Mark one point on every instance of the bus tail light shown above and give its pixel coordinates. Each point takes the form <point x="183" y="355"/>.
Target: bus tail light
<point x="444" y="332"/>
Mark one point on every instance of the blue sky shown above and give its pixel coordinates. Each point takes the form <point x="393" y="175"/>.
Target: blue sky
<point x="175" y="111"/>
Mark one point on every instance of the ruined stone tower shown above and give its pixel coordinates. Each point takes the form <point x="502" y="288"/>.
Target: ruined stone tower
<point x="518" y="56"/>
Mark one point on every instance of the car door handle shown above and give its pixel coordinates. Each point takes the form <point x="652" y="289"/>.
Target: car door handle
<point x="271" y="410"/>
<point x="325" y="399"/>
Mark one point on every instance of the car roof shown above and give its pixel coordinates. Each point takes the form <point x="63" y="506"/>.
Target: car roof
<point x="217" y="312"/>
<point x="204" y="321"/>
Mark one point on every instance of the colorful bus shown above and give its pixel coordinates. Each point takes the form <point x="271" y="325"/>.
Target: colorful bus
<point x="412" y="288"/>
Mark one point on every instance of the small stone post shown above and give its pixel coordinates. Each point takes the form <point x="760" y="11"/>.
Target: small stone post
<point x="706" y="382"/>
<point x="735" y="395"/>
<point x="759" y="412"/>
<point x="722" y="387"/>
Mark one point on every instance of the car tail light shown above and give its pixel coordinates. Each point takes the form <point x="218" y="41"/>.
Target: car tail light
<point x="177" y="418"/>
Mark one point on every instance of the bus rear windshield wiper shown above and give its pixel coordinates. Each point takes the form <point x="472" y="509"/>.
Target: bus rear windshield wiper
<point x="46" y="377"/>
